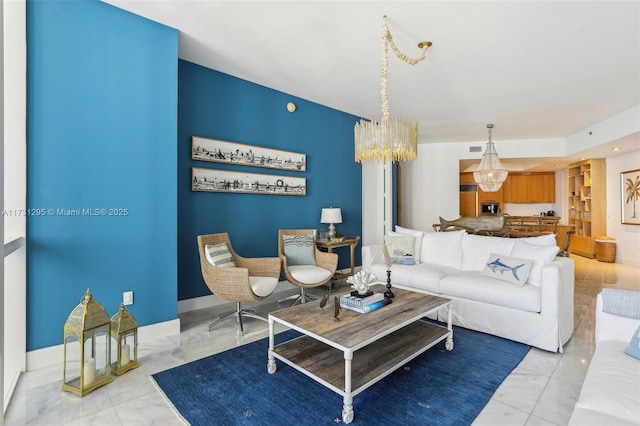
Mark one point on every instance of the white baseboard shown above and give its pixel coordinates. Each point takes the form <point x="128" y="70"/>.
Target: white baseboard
<point x="54" y="355"/>
<point x="202" y="302"/>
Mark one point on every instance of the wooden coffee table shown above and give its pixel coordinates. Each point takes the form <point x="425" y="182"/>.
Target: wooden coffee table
<point x="350" y="354"/>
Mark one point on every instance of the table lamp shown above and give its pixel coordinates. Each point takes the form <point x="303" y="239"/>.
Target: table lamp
<point x="331" y="215"/>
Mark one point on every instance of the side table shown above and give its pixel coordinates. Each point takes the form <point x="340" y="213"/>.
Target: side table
<point x="352" y="242"/>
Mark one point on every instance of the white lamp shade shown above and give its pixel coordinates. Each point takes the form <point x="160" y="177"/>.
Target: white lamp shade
<point x="331" y="215"/>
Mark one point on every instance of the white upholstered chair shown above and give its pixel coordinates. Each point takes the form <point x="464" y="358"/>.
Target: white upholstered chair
<point x="303" y="265"/>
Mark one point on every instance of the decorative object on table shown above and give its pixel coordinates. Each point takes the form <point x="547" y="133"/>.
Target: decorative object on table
<point x="475" y="223"/>
<point x="87" y="347"/>
<point x="124" y="329"/>
<point x="323" y="301"/>
<point x="387" y="261"/>
<point x="388" y="140"/>
<point x="336" y="309"/>
<point x="490" y="174"/>
<point x="358" y="301"/>
<point x="331" y="215"/>
<point x="630" y="196"/>
<point x="361" y="280"/>
<point x="367" y="308"/>
<point x="218" y="151"/>
<point x="212" y="180"/>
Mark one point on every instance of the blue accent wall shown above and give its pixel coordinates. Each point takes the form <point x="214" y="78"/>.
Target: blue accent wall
<point x="219" y="106"/>
<point x="102" y="127"/>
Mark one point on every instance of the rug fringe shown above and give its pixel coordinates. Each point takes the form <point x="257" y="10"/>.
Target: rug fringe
<point x="177" y="413"/>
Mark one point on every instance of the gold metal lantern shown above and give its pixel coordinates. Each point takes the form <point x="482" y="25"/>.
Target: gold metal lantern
<point x="87" y="347"/>
<point x="124" y="329"/>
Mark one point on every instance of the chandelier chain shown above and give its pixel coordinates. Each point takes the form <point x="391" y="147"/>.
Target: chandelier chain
<point x="387" y="40"/>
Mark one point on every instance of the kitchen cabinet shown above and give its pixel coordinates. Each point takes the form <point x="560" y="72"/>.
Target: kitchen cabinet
<point x="530" y="188"/>
<point x="471" y="202"/>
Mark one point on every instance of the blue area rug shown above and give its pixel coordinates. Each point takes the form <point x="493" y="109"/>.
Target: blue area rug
<point x="437" y="388"/>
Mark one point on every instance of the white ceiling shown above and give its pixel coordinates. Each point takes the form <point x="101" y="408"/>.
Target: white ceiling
<point x="535" y="69"/>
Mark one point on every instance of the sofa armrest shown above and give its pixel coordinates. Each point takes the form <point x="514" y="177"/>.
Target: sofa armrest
<point x="611" y="326"/>
<point x="556" y="294"/>
<point x="372" y="254"/>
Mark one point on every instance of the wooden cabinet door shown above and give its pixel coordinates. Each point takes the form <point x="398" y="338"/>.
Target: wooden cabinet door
<point x="515" y="189"/>
<point x="541" y="188"/>
<point x="467" y="177"/>
<point x="467" y="204"/>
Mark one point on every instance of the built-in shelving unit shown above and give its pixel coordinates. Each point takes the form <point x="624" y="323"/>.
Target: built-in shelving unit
<point x="587" y="204"/>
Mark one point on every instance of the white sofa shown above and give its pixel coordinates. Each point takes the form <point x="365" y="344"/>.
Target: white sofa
<point x="451" y="264"/>
<point x="610" y="393"/>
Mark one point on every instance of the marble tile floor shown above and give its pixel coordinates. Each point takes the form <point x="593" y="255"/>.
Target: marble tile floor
<point x="540" y="391"/>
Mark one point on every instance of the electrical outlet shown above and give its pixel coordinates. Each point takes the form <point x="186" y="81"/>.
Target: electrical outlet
<point x="127" y="298"/>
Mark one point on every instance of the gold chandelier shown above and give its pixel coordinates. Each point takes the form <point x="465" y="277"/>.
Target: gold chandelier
<point x="388" y="140"/>
<point x="490" y="173"/>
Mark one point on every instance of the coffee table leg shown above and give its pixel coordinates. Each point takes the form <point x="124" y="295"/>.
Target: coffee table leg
<point x="271" y="362"/>
<point x="347" y="408"/>
<point x="449" y="343"/>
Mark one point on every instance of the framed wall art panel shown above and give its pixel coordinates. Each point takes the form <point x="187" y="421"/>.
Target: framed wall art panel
<point x="212" y="180"/>
<point x="630" y="197"/>
<point x="205" y="149"/>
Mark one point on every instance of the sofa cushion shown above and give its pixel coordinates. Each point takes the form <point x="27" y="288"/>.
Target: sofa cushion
<point x="443" y="248"/>
<point x="309" y="274"/>
<point x="612" y="384"/>
<point x="541" y="240"/>
<point x="476" y="250"/>
<point x="421" y="277"/>
<point x="540" y="255"/>
<point x="509" y="269"/>
<point x="417" y="242"/>
<point x="219" y="255"/>
<point x="399" y="247"/>
<point x="263" y="286"/>
<point x="474" y="286"/>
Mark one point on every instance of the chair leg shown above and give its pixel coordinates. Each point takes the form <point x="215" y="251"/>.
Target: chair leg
<point x="302" y="297"/>
<point x="238" y="313"/>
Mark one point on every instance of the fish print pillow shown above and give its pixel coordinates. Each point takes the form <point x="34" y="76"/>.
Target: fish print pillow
<point x="510" y="269"/>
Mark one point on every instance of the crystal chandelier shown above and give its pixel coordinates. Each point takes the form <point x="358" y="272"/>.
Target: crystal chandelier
<point x="388" y="140"/>
<point x="491" y="173"/>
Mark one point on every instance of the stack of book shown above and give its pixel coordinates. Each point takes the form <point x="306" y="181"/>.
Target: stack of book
<point x="363" y="304"/>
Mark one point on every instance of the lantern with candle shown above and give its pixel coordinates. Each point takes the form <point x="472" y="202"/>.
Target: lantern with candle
<point x="124" y="329"/>
<point x="87" y="347"/>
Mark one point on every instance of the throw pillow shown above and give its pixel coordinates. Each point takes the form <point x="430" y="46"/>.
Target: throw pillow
<point x="399" y="247"/>
<point x="417" y="240"/>
<point x="442" y="248"/>
<point x="299" y="249"/>
<point x="515" y="271"/>
<point x="540" y="255"/>
<point x="634" y="345"/>
<point x="219" y="255"/>
<point x="624" y="303"/>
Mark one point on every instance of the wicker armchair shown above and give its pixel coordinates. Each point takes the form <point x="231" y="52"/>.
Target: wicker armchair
<point x="306" y="276"/>
<point x="252" y="280"/>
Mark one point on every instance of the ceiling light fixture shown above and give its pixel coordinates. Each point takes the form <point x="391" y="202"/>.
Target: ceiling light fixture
<point x="490" y="173"/>
<point x="388" y="140"/>
<point x="617" y="148"/>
